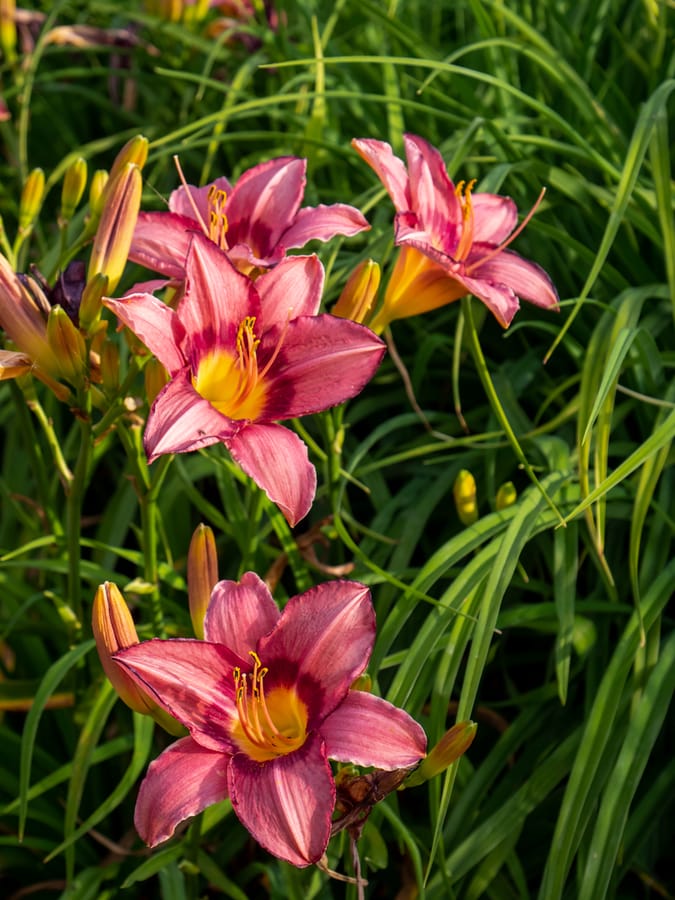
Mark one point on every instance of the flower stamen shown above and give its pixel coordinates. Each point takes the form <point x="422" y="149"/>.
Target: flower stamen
<point x="463" y="194"/>
<point x="514" y="234"/>
<point x="217" y="218"/>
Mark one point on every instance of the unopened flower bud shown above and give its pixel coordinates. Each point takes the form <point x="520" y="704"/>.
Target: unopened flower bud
<point x="90" y="304"/>
<point x="358" y="296"/>
<point x="363" y="683"/>
<point x="202" y="575"/>
<point x="67" y="345"/>
<point x="74" y="183"/>
<point x="31" y="199"/>
<point x="451" y="746"/>
<point x="134" y="152"/>
<point x="156" y="377"/>
<point x="8" y="29"/>
<point x="116" y="228"/>
<point x="464" y="492"/>
<point x="506" y="496"/>
<point x="114" y="630"/>
<point x="96" y="194"/>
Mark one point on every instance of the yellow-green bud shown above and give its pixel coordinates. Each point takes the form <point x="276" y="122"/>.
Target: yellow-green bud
<point x="464" y="492"/>
<point x="31" y="199"/>
<point x="67" y="345"/>
<point x="74" y="183"/>
<point x="134" y="151"/>
<point x="114" y="629"/>
<point x="90" y="304"/>
<point x="8" y="29"/>
<point x="363" y="683"/>
<point x="156" y="377"/>
<point x="96" y="194"/>
<point x="506" y="496"/>
<point x="116" y="227"/>
<point x="358" y="296"/>
<point x="451" y="746"/>
<point x="202" y="575"/>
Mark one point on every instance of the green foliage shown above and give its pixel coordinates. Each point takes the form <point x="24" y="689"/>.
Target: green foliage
<point x="546" y="622"/>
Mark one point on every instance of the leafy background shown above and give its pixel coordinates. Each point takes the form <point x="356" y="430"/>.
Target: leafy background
<point x="557" y="640"/>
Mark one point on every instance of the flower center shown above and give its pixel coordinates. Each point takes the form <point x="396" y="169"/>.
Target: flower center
<point x="463" y="194"/>
<point x="268" y="725"/>
<point x="232" y="382"/>
<point x="217" y="219"/>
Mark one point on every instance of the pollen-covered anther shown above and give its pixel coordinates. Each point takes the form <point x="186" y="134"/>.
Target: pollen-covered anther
<point x="217" y="218"/>
<point x="267" y="726"/>
<point x="463" y="193"/>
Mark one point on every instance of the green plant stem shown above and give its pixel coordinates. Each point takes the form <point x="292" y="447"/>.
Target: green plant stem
<point x="74" y="498"/>
<point x="62" y="468"/>
<point x="497" y="408"/>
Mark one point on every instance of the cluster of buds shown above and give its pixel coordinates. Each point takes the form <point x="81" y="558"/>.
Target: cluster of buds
<point x="466" y="497"/>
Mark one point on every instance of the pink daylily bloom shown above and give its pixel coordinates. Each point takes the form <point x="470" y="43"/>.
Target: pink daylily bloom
<point x="463" y="233"/>
<point x="255" y="221"/>
<point x="266" y="698"/>
<point x="241" y="357"/>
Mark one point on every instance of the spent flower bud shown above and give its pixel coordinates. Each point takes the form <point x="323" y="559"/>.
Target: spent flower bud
<point x="464" y="492"/>
<point x="202" y="575"/>
<point x="358" y="296"/>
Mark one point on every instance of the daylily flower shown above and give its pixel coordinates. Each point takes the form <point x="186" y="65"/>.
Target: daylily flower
<point x="255" y="222"/>
<point x="243" y="356"/>
<point x="463" y="236"/>
<point x="266" y="698"/>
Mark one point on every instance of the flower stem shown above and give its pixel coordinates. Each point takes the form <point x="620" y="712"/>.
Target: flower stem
<point x="495" y="403"/>
<point x="74" y="498"/>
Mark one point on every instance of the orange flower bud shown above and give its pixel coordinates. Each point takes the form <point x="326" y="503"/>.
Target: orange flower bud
<point x="122" y="201"/>
<point x="8" y="29"/>
<point x="358" y="296"/>
<point x="13" y="364"/>
<point x="363" y="683"/>
<point x="506" y="496"/>
<point x="114" y="630"/>
<point x="31" y="199"/>
<point x="134" y="152"/>
<point x="74" y="183"/>
<point x="90" y="304"/>
<point x="451" y="746"/>
<point x="202" y="575"/>
<point x="464" y="492"/>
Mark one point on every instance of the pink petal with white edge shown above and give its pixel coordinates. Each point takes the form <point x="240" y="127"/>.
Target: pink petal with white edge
<point x="324" y="636"/>
<point x="323" y="361"/>
<point x="192" y="680"/>
<point x="181" y="420"/>
<point x="217" y="299"/>
<point x="264" y="203"/>
<point x="179" y="201"/>
<point x="286" y="803"/>
<point x="154" y="323"/>
<point x="290" y="290"/>
<point x="525" y="278"/>
<point x="277" y="460"/>
<point x="369" y="731"/>
<point x="322" y="222"/>
<point x="432" y="193"/>
<point x="388" y="168"/>
<point x="161" y="241"/>
<point x="494" y="218"/>
<point x="180" y="783"/>
<point x="239" y="613"/>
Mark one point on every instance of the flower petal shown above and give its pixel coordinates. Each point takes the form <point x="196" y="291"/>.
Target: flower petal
<point x="388" y="168"/>
<point x="325" y="637"/>
<point x="369" y="731"/>
<point x="13" y="363"/>
<point x="277" y="460"/>
<point x="291" y="289"/>
<point x="324" y="222"/>
<point x="525" y="278"/>
<point x="192" y="680"/>
<point x="240" y="613"/>
<point x="286" y="803"/>
<point x="154" y="323"/>
<point x="161" y="241"/>
<point x="494" y="218"/>
<point x="181" y="782"/>
<point x="432" y="193"/>
<point x="217" y="299"/>
<point x="323" y="360"/>
<point x="181" y="420"/>
<point x="179" y="201"/>
<point x="264" y="202"/>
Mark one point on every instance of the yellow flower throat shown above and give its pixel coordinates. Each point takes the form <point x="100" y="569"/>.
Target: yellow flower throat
<point x="269" y="725"/>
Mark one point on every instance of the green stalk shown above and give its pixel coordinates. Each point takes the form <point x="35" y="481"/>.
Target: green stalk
<point x="495" y="403"/>
<point x="74" y="498"/>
